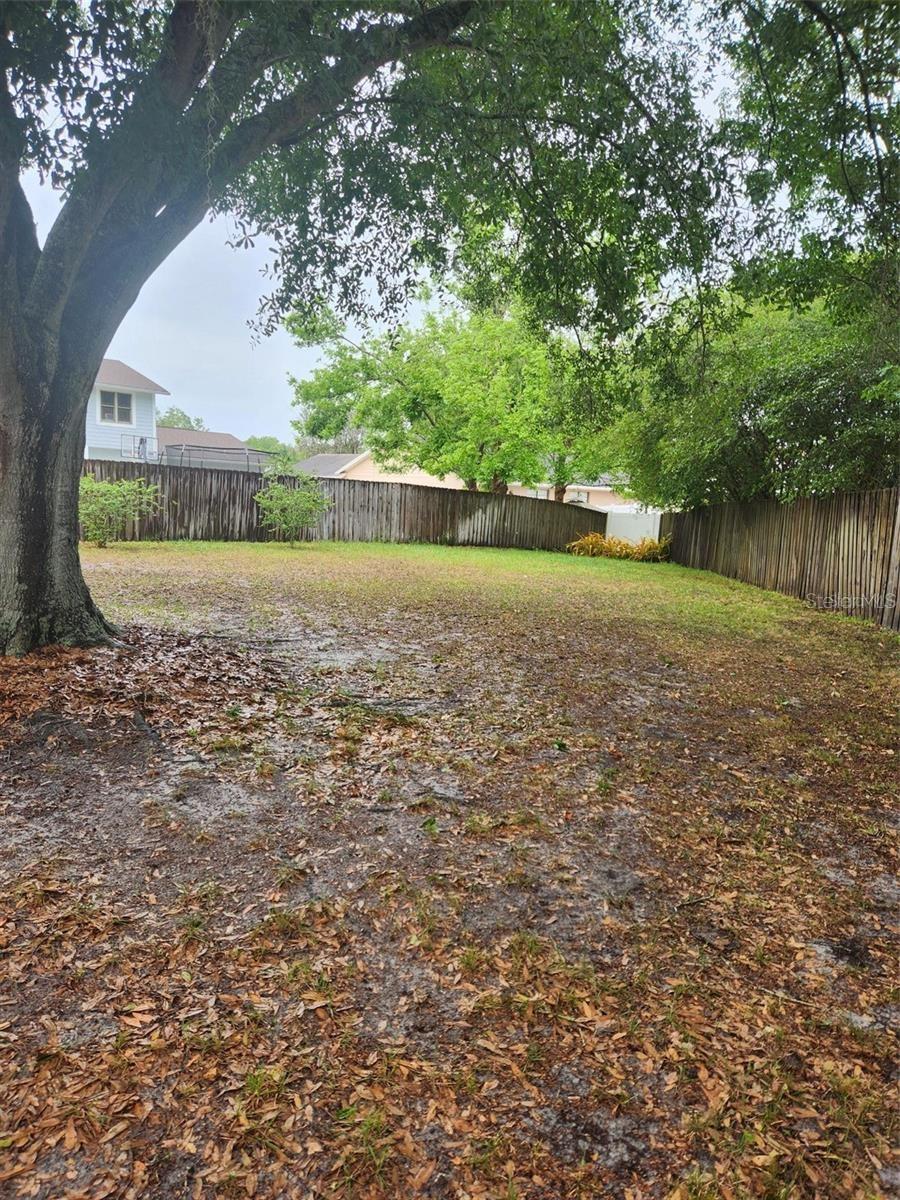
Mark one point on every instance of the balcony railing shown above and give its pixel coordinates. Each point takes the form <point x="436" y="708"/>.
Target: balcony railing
<point x="137" y="448"/>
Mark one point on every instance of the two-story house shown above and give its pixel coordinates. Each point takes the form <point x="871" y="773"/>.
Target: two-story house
<point x="121" y="415"/>
<point x="121" y="424"/>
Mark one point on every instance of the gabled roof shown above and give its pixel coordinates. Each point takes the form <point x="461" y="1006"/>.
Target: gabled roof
<point x="208" y="439"/>
<point x="326" y="466"/>
<point x="116" y="374"/>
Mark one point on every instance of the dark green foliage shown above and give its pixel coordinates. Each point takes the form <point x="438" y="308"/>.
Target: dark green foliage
<point x="364" y="140"/>
<point x="780" y="405"/>
<point x="573" y="122"/>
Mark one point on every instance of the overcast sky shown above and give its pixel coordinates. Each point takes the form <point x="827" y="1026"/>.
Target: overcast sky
<point x="188" y="331"/>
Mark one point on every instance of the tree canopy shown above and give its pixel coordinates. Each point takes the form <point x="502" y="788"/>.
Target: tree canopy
<point x="814" y="120"/>
<point x="480" y="395"/>
<point x="785" y="403"/>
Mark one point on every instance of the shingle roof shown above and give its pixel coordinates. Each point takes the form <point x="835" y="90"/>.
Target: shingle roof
<point x="116" y="374"/>
<point x="169" y="435"/>
<point x="325" y="465"/>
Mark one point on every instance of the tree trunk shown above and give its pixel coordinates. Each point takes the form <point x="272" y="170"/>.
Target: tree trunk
<point x="499" y="487"/>
<point x="471" y="485"/>
<point x="43" y="597"/>
<point x="559" y="491"/>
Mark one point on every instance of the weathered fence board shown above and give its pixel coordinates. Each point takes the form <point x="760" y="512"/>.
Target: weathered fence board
<point x="841" y="552"/>
<point x="218" y="505"/>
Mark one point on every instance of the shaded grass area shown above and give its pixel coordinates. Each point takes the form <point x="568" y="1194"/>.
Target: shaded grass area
<point x="376" y="870"/>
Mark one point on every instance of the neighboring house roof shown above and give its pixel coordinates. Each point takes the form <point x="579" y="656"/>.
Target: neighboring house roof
<point x="116" y="374"/>
<point x="326" y="466"/>
<point x="331" y="466"/>
<point x="206" y="439"/>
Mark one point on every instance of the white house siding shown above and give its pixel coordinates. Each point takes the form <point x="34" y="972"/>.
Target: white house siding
<point x="104" y="440"/>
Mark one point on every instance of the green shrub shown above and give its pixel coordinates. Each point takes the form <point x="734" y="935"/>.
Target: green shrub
<point x="598" y="545"/>
<point x="287" y="509"/>
<point x="105" y="506"/>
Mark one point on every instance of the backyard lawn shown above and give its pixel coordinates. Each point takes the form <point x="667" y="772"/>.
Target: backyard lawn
<point x="384" y="871"/>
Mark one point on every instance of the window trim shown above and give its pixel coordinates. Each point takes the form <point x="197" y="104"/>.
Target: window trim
<point x="101" y="420"/>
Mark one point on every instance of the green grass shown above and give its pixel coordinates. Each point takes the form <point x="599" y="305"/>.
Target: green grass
<point x="648" y="594"/>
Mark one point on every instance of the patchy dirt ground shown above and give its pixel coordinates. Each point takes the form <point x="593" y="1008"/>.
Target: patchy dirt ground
<point x="403" y="871"/>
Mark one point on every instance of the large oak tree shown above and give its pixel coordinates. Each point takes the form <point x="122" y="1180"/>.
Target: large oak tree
<point x="358" y="137"/>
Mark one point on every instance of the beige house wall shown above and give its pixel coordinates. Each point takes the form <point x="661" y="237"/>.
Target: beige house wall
<point x="368" y="469"/>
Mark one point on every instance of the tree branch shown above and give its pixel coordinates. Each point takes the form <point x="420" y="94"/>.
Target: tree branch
<point x="822" y="17"/>
<point x="190" y="47"/>
<point x="282" y="120"/>
<point x="88" y="220"/>
<point x="129" y="242"/>
<point x="19" y="249"/>
<point x="187" y="50"/>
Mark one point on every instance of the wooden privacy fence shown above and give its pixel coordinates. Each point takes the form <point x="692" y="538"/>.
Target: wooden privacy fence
<point x="841" y="552"/>
<point x="212" y="505"/>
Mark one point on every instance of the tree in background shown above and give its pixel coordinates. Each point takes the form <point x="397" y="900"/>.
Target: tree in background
<point x="177" y="418"/>
<point x="269" y="445"/>
<point x="576" y="414"/>
<point x="479" y="395"/>
<point x="357" y="137"/>
<point x="784" y="404"/>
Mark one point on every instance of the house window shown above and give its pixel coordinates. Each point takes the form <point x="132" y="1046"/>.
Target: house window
<point x="116" y="408"/>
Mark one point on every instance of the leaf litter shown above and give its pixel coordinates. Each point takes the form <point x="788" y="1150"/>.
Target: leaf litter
<point x="489" y="882"/>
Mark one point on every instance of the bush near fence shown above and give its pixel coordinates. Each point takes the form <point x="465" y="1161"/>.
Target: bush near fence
<point x="840" y="552"/>
<point x="213" y="505"/>
<point x="600" y="545"/>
